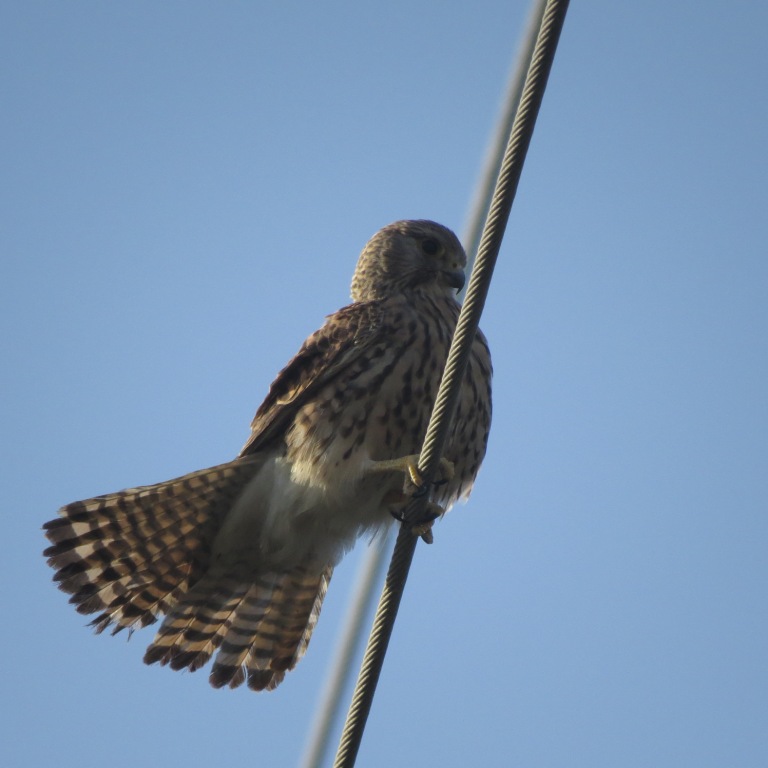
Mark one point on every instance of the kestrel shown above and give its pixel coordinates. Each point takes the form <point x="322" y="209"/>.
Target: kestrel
<point x="238" y="557"/>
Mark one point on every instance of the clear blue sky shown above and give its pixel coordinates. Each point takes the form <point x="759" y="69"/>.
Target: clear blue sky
<point x="186" y="187"/>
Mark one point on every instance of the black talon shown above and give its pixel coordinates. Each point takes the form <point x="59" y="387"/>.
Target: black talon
<point x="427" y="517"/>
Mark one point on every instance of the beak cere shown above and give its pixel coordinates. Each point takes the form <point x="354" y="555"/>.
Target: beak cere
<point x="455" y="278"/>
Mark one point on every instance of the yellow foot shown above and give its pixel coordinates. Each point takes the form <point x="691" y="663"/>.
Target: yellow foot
<point x="399" y="500"/>
<point x="410" y="465"/>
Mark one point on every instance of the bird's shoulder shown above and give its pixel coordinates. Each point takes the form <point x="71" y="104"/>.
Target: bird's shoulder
<point x="346" y="335"/>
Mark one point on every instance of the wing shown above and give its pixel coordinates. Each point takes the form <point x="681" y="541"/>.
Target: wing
<point x="345" y="335"/>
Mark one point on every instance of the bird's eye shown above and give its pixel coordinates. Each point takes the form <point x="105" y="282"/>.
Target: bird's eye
<point x="430" y="246"/>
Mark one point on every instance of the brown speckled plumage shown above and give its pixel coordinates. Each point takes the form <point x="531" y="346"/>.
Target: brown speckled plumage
<point x="238" y="557"/>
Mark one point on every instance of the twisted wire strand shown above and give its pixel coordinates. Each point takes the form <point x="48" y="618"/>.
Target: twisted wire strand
<point x="493" y="232"/>
<point x="371" y="572"/>
<point x="367" y="579"/>
<point x="481" y="198"/>
<point x="447" y="396"/>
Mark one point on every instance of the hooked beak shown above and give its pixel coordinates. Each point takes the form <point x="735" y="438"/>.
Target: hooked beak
<point x="455" y="278"/>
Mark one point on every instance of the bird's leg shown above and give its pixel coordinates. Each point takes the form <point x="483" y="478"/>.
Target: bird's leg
<point x="431" y="511"/>
<point x="410" y="465"/>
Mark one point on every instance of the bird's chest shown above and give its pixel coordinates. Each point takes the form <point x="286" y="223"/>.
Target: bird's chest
<point x="377" y="409"/>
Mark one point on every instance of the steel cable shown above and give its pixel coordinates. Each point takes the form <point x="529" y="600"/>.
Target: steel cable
<point x="447" y="396"/>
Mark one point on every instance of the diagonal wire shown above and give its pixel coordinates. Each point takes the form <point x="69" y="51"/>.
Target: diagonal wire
<point x="371" y="568"/>
<point x="494" y="154"/>
<point x="447" y="396"/>
<point x="367" y="579"/>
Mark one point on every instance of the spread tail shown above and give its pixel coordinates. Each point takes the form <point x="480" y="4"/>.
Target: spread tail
<point x="261" y="626"/>
<point x="129" y="556"/>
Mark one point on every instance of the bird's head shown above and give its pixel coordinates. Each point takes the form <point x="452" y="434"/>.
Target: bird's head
<point x="409" y="255"/>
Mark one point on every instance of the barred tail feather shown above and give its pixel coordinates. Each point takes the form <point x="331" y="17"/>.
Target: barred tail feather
<point x="261" y="626"/>
<point x="131" y="555"/>
<point x="192" y="629"/>
<point x="271" y="629"/>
